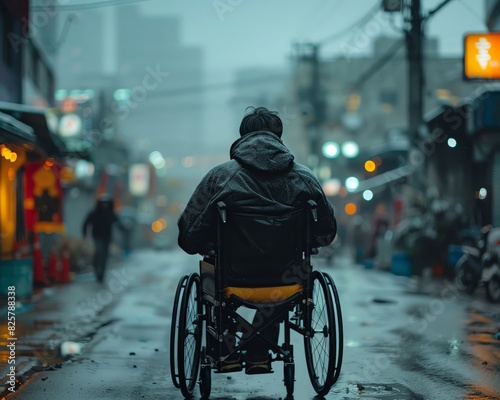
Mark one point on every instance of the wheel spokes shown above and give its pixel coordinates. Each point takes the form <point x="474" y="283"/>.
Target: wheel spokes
<point x="190" y="334"/>
<point x="320" y="332"/>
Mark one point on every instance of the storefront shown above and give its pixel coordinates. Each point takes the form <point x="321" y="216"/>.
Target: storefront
<point x="17" y="140"/>
<point x="30" y="191"/>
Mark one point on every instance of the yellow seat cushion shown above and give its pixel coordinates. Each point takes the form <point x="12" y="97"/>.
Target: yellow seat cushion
<point x="271" y="294"/>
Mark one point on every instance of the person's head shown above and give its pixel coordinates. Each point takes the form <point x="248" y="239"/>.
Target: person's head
<point x="261" y="119"/>
<point x="105" y="202"/>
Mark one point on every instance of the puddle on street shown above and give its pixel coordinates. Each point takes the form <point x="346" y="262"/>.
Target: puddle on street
<point x="377" y="391"/>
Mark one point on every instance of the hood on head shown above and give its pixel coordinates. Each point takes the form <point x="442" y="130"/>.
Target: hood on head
<point x="263" y="151"/>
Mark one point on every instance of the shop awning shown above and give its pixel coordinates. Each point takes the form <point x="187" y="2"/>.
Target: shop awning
<point x="35" y="118"/>
<point x="15" y="132"/>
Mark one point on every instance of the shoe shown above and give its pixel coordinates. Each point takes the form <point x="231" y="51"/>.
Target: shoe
<point x="258" y="367"/>
<point x="231" y="364"/>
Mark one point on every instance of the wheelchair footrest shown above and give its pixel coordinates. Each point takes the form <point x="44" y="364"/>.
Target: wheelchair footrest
<point x="252" y="372"/>
<point x="257" y="368"/>
<point x="228" y="370"/>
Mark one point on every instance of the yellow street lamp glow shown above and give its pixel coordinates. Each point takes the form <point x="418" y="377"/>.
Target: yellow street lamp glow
<point x="350" y="208"/>
<point x="370" y="166"/>
<point x="156" y="226"/>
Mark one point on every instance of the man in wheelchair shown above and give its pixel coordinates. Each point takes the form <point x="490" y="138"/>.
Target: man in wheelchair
<point x="260" y="178"/>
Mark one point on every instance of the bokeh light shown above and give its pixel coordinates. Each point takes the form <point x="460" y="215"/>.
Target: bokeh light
<point x="367" y="195"/>
<point x="351" y="183"/>
<point x="350" y="208"/>
<point x="370" y="166"/>
<point x="330" y="149"/>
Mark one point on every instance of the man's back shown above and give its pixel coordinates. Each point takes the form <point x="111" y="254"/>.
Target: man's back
<point x="261" y="175"/>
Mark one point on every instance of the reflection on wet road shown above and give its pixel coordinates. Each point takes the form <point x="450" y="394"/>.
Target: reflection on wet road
<point x="399" y="343"/>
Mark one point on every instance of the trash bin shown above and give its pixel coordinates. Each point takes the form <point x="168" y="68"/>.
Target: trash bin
<point x="18" y="273"/>
<point x="455" y="252"/>
<point x="401" y="264"/>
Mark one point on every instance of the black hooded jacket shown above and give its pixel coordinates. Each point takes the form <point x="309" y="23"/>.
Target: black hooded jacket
<point x="261" y="175"/>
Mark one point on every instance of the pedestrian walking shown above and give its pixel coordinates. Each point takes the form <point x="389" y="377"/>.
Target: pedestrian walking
<point x="101" y="220"/>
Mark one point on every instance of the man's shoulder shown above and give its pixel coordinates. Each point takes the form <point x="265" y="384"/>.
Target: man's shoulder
<point x="303" y="170"/>
<point x="228" y="166"/>
<point x="223" y="171"/>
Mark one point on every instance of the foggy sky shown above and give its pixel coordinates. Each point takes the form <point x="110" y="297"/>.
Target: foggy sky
<point x="261" y="32"/>
<point x="235" y="34"/>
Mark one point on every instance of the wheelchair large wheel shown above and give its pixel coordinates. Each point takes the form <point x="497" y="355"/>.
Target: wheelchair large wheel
<point x="190" y="334"/>
<point x="174" y="329"/>
<point x="339" y="327"/>
<point x="320" y="343"/>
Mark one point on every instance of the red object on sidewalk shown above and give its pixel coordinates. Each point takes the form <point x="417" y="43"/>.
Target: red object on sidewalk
<point x="65" y="277"/>
<point x="438" y="270"/>
<point x="21" y="249"/>
<point x="53" y="266"/>
<point x="39" y="277"/>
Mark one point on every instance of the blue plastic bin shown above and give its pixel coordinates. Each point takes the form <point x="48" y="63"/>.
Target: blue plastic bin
<point x="401" y="264"/>
<point x="18" y="273"/>
<point x="455" y="252"/>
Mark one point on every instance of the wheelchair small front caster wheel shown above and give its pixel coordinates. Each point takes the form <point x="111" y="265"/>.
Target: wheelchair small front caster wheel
<point x="205" y="381"/>
<point x="289" y="378"/>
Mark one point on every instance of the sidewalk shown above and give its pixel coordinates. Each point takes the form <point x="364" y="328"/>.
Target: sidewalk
<point x="426" y="285"/>
<point x="58" y="321"/>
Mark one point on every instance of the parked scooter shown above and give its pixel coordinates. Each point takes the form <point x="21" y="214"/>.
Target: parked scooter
<point x="480" y="265"/>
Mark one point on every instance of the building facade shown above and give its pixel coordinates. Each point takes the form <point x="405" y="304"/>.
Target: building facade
<point x="370" y="108"/>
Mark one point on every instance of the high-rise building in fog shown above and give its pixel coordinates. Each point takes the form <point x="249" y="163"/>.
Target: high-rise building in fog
<point x="152" y="67"/>
<point x="165" y="78"/>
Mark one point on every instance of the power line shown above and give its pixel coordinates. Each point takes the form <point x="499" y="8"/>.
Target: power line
<point x="85" y="6"/>
<point x="363" y="20"/>
<point x="471" y="10"/>
<point x="316" y="17"/>
<point x="213" y="86"/>
<point x="375" y="67"/>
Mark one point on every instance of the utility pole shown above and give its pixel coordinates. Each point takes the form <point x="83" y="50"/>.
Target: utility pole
<point x="414" y="40"/>
<point x="311" y="96"/>
<point x="315" y="101"/>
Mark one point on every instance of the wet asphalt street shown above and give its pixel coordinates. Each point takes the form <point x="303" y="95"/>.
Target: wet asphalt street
<point x="399" y="343"/>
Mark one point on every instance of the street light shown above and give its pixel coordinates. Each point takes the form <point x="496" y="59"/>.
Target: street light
<point x="350" y="149"/>
<point x="370" y="166"/>
<point x="351" y="183"/>
<point x="330" y="149"/>
<point x="367" y="195"/>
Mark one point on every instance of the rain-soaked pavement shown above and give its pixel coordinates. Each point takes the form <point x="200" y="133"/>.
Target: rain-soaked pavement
<point x="399" y="343"/>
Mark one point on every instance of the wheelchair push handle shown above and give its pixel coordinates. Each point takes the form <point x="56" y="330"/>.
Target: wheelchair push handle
<point x="313" y="207"/>
<point x="221" y="206"/>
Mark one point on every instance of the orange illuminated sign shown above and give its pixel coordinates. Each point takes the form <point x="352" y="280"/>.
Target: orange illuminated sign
<point x="482" y="56"/>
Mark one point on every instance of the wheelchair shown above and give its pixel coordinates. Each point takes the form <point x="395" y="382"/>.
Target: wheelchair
<point x="262" y="262"/>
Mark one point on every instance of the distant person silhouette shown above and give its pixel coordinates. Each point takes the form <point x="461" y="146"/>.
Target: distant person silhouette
<point x="101" y="219"/>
